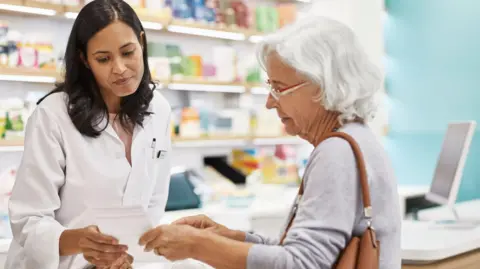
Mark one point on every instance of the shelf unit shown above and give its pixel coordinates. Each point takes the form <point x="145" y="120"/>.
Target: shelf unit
<point x="160" y="20"/>
<point x="156" y="21"/>
<point x="225" y="142"/>
<point x="11" y="145"/>
<point x="32" y="75"/>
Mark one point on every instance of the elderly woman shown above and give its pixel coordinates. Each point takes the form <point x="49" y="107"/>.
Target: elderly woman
<point x="321" y="81"/>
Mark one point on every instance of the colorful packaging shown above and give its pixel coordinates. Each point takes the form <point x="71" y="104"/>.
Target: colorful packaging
<point x="3" y="43"/>
<point x="197" y="66"/>
<point x="242" y="14"/>
<point x="287" y="14"/>
<point x="46" y="56"/>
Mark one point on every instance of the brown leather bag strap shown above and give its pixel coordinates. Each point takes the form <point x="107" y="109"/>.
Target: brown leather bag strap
<point x="367" y="205"/>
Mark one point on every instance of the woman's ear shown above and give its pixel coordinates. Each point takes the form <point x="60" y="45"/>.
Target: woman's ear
<point x="142" y="40"/>
<point x="82" y="58"/>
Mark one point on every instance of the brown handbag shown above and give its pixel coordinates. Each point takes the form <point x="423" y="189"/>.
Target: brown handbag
<point x="362" y="252"/>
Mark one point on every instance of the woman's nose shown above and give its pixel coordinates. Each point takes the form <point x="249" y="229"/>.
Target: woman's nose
<point x="271" y="102"/>
<point x="119" y="67"/>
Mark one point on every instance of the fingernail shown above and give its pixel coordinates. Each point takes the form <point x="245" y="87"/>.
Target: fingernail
<point x="147" y="249"/>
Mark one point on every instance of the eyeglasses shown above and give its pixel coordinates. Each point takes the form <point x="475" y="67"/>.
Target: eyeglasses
<point x="277" y="93"/>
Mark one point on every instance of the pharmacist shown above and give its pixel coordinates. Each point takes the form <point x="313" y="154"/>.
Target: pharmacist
<point x="99" y="139"/>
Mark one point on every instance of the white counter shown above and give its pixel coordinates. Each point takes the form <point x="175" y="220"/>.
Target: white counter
<point x="426" y="242"/>
<point x="266" y="214"/>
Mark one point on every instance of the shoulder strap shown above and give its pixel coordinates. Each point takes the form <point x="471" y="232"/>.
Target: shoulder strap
<point x="362" y="171"/>
<point x="367" y="205"/>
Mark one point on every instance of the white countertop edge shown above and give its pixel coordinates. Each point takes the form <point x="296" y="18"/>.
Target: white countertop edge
<point x="432" y="255"/>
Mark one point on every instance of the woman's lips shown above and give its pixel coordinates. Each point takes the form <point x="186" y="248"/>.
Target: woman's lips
<point x="122" y="81"/>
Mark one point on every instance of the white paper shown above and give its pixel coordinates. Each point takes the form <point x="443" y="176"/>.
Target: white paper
<point x="127" y="224"/>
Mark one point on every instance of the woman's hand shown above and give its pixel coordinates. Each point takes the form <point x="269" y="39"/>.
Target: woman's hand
<point x="174" y="242"/>
<point x="99" y="249"/>
<point x="124" y="262"/>
<point x="204" y="222"/>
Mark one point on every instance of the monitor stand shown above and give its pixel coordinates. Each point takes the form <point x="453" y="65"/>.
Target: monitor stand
<point x="457" y="222"/>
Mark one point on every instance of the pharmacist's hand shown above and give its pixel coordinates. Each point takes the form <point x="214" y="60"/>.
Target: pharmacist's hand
<point x="125" y="262"/>
<point x="99" y="249"/>
<point x="204" y="222"/>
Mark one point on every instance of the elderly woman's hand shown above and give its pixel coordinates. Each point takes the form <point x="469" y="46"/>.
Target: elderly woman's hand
<point x="204" y="222"/>
<point x="174" y="242"/>
<point x="201" y="222"/>
<point x="124" y="262"/>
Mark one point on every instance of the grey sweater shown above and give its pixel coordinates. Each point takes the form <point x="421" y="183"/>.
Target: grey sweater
<point x="331" y="210"/>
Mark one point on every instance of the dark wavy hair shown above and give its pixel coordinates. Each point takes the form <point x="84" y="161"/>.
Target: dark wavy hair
<point x="85" y="104"/>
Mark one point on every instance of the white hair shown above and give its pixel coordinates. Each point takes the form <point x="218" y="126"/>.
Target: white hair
<point x="329" y="54"/>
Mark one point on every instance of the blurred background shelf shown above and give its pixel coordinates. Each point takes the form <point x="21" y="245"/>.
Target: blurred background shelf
<point x="203" y="142"/>
<point x="34" y="75"/>
<point x="11" y="145"/>
<point x="157" y="19"/>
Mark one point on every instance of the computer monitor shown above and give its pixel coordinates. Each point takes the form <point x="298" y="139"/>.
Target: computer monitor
<point x="450" y="164"/>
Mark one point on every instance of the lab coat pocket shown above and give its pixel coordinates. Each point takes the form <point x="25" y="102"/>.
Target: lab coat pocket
<point x="157" y="161"/>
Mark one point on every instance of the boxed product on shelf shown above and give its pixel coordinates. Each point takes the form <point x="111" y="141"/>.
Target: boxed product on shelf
<point x="287" y="13"/>
<point x="246" y="160"/>
<point x="242" y="14"/>
<point x="225" y="61"/>
<point x="190" y="123"/>
<point x="230" y="122"/>
<point x="17" y="50"/>
<point x="167" y="61"/>
<point x="267" y="124"/>
<point x="158" y="61"/>
<point x="12" y="119"/>
<point x="3" y="43"/>
<point x="280" y="167"/>
<point x="266" y="19"/>
<point x="201" y="122"/>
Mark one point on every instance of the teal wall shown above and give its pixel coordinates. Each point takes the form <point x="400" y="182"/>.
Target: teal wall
<point x="433" y="77"/>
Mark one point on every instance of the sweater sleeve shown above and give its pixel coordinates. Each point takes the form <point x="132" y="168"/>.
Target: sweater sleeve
<point x="258" y="239"/>
<point x="325" y="217"/>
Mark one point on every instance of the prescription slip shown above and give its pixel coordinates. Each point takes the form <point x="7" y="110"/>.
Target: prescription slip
<point x="127" y="224"/>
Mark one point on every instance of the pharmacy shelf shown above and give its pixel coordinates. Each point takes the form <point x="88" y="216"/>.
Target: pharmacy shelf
<point x="210" y="142"/>
<point x="29" y="75"/>
<point x="29" y="8"/>
<point x="207" y="142"/>
<point x="11" y="145"/>
<point x="240" y="142"/>
<point x="271" y="141"/>
<point x="151" y="19"/>
<point x="208" y="30"/>
<point x="32" y="75"/>
<point x="259" y="89"/>
<point x="199" y="84"/>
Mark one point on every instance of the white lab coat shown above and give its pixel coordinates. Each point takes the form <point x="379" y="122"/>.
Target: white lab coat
<point x="62" y="173"/>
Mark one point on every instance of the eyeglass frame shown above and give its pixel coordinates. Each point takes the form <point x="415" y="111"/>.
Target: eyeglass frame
<point x="276" y="94"/>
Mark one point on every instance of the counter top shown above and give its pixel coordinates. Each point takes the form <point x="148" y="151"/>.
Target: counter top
<point x="422" y="242"/>
<point x="426" y="241"/>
